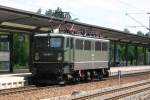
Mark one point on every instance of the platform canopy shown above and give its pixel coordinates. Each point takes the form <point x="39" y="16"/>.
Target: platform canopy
<point x="15" y="20"/>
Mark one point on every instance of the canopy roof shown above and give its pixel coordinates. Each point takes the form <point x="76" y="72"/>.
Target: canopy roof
<point x="12" y="19"/>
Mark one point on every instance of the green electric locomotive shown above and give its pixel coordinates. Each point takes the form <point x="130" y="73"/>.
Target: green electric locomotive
<point x="59" y="58"/>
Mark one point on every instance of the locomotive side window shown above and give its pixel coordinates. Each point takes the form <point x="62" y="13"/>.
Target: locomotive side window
<point x="104" y="46"/>
<point x="87" y="45"/>
<point x="97" y="45"/>
<point x="67" y="42"/>
<point x="79" y="44"/>
<point x="71" y="43"/>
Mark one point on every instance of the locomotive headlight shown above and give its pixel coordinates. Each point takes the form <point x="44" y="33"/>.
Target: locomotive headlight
<point x="36" y="57"/>
<point x="59" y="57"/>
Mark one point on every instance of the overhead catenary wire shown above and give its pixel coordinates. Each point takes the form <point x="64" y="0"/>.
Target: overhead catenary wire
<point x="137" y="8"/>
<point x="140" y="23"/>
<point x="131" y="5"/>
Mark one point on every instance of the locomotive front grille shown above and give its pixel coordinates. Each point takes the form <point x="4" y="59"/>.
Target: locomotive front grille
<point x="48" y="67"/>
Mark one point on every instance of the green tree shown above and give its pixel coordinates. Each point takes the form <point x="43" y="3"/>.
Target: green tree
<point x="121" y="51"/>
<point x="58" y="13"/>
<point x="39" y="11"/>
<point x="126" y="30"/>
<point x="140" y="33"/>
<point x="147" y="34"/>
<point x="130" y="54"/>
<point x="21" y="50"/>
<point x="49" y="12"/>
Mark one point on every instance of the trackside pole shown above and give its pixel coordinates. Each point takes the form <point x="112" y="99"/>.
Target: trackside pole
<point x="119" y="77"/>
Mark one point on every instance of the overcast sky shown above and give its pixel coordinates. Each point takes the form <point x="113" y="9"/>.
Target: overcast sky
<point x="105" y="13"/>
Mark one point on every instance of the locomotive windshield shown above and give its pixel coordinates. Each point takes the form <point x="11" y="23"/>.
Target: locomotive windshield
<point x="48" y="42"/>
<point x="55" y="42"/>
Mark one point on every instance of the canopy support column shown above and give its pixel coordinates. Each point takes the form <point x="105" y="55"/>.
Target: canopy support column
<point x="115" y="52"/>
<point x="126" y="54"/>
<point x="11" y="52"/>
<point x="136" y="55"/>
<point x="30" y="51"/>
<point x="144" y="50"/>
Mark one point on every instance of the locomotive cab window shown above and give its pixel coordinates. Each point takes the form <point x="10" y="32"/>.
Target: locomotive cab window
<point x="55" y="42"/>
<point x="71" y="43"/>
<point x="41" y="42"/>
<point x="67" y="42"/>
<point x="48" y="42"/>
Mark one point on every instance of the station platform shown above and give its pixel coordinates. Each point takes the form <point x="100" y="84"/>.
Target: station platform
<point x="128" y="69"/>
<point x="17" y="79"/>
<point x="13" y="80"/>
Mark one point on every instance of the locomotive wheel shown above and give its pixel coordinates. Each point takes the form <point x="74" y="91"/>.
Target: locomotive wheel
<point x="100" y="74"/>
<point x="76" y="77"/>
<point x="106" y="74"/>
<point x="88" y="76"/>
<point x="91" y="75"/>
<point x="100" y="77"/>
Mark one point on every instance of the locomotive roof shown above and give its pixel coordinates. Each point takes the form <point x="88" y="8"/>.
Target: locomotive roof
<point x="68" y="35"/>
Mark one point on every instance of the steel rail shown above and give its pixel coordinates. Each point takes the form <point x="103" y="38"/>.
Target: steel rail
<point x="115" y="90"/>
<point x="24" y="89"/>
<point x="128" y="94"/>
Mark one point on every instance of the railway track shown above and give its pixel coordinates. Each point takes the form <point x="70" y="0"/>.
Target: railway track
<point x="118" y="93"/>
<point x="129" y="93"/>
<point x="23" y="89"/>
<point x="12" y="91"/>
<point x="16" y="90"/>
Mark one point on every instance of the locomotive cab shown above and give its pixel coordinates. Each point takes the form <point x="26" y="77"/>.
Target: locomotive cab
<point x="50" y="57"/>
